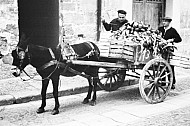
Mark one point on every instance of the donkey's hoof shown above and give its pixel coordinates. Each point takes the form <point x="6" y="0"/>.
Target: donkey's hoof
<point x="85" y="101"/>
<point x="54" y="112"/>
<point x="92" y="103"/>
<point x="40" y="110"/>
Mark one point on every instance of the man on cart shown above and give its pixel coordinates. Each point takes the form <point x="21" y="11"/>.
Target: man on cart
<point x="116" y="23"/>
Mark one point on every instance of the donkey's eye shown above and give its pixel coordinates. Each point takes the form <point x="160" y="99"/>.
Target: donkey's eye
<point x="21" y="55"/>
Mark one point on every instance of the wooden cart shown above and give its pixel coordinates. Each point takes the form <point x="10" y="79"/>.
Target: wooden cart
<point x="144" y="61"/>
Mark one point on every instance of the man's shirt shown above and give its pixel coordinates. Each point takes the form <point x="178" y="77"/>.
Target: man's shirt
<point x="170" y="33"/>
<point x="114" y="25"/>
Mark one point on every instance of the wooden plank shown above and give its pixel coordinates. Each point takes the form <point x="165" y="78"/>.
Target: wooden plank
<point x="120" y="56"/>
<point x="104" y="50"/>
<point x="103" y="44"/>
<point x="113" y="55"/>
<point x="96" y="63"/>
<point x="130" y="57"/>
<point x="126" y="52"/>
<point x="128" y="47"/>
<point x="104" y="54"/>
<point x="178" y="63"/>
<point x="116" y="46"/>
<point x="181" y="59"/>
<point x="117" y="51"/>
<point x="104" y="47"/>
<point x="117" y="42"/>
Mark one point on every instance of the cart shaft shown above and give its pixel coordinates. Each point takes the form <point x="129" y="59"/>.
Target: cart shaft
<point x="99" y="64"/>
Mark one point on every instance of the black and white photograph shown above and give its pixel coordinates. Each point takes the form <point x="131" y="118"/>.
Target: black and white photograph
<point x="94" y="62"/>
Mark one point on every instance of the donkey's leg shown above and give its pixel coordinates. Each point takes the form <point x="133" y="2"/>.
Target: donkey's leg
<point x="55" y="82"/>
<point x="86" y="100"/>
<point x="94" y="83"/>
<point x="43" y="95"/>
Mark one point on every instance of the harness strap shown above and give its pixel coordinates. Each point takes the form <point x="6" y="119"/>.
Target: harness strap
<point x="91" y="45"/>
<point x="78" y="73"/>
<point x="51" y="53"/>
<point x="51" y="63"/>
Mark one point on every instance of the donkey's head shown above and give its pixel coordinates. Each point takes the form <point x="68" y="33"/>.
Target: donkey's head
<point x="20" y="55"/>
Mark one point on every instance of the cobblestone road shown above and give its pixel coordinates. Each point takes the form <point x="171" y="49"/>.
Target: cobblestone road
<point x="118" y="108"/>
<point x="124" y="107"/>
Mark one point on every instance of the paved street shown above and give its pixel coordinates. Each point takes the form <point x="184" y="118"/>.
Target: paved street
<point x="120" y="108"/>
<point x="123" y="107"/>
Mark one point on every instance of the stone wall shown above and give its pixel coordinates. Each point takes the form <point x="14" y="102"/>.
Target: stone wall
<point x="8" y="25"/>
<point x="78" y="17"/>
<point x="185" y="27"/>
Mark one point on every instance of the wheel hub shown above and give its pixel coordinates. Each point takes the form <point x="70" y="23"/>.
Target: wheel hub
<point x="157" y="81"/>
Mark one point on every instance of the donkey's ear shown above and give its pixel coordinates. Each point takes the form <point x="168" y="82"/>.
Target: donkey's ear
<point x="23" y="40"/>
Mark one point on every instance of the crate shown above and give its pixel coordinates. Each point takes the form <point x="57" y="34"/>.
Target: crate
<point x="119" y="49"/>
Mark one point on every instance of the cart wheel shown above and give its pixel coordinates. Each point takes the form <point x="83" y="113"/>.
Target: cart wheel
<point x="155" y="80"/>
<point x="110" y="79"/>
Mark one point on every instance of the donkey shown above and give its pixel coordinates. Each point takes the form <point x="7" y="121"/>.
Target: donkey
<point x="49" y="64"/>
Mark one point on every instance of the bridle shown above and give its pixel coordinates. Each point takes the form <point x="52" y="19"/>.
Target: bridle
<point x="21" y="55"/>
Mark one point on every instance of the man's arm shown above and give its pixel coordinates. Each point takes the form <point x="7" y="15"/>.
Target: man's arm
<point x="106" y="25"/>
<point x="177" y="37"/>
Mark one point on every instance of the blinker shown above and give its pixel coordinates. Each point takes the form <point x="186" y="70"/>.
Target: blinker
<point x="21" y="55"/>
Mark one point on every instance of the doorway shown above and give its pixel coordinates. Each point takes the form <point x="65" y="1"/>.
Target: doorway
<point x="148" y="11"/>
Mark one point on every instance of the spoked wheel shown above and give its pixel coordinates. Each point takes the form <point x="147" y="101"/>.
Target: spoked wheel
<point x="155" y="80"/>
<point x="111" y="79"/>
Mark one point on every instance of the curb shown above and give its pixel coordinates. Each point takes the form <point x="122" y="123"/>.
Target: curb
<point x="9" y="99"/>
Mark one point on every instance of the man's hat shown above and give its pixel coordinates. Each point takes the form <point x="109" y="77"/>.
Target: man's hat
<point x="167" y="19"/>
<point x="122" y="12"/>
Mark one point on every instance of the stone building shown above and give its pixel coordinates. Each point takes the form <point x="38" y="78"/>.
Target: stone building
<point x="179" y="10"/>
<point x="84" y="16"/>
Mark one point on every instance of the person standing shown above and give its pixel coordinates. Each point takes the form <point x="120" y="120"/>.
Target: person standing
<point x="171" y="35"/>
<point x="116" y="23"/>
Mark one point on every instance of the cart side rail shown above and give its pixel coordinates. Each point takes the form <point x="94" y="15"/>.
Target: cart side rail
<point x="180" y="61"/>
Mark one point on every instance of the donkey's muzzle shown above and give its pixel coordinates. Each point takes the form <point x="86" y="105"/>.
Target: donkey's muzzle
<point x="16" y="72"/>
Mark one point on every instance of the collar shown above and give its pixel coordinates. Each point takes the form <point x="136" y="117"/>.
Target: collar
<point x="46" y="65"/>
<point x="167" y="28"/>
